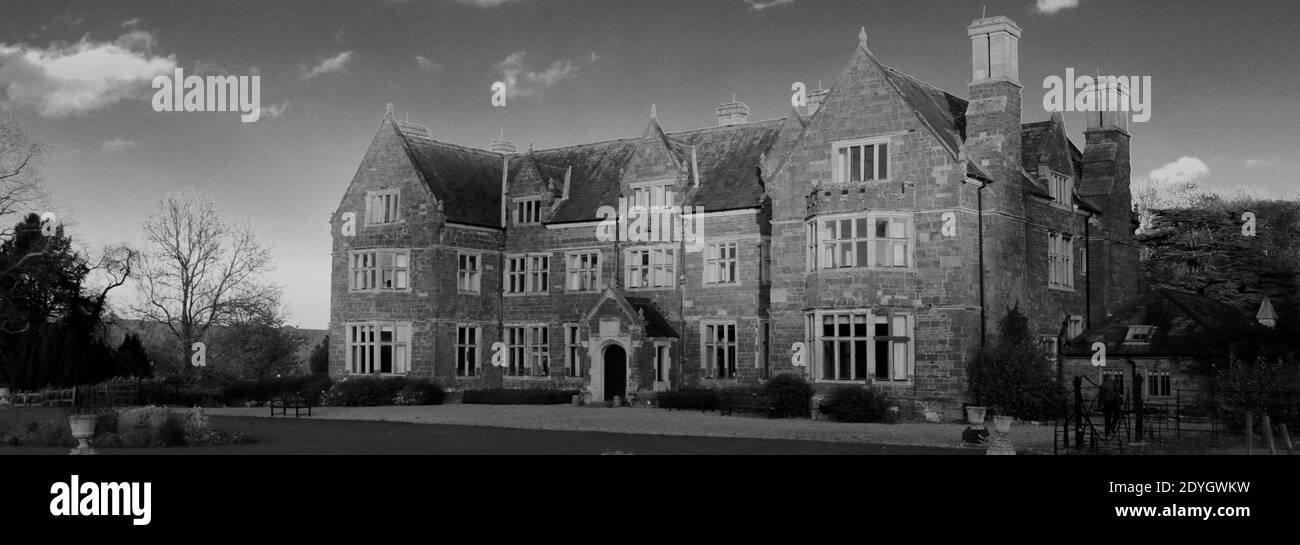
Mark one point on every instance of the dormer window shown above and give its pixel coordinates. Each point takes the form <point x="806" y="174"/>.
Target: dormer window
<point x="861" y="160"/>
<point x="652" y="194"/>
<point x="528" y="211"/>
<point x="1061" y="189"/>
<point x="1140" y="334"/>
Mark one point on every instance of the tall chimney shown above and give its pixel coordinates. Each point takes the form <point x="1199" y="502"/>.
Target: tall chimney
<point x="993" y="116"/>
<point x="993" y="141"/>
<point x="733" y="113"/>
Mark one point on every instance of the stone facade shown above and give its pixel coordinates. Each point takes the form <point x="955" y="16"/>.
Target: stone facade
<point x="893" y="279"/>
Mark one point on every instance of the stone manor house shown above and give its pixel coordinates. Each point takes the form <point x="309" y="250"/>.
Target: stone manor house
<point x="873" y="238"/>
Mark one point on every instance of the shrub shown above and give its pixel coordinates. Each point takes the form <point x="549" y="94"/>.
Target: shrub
<point x="105" y="421"/>
<point x="501" y="396"/>
<point x="860" y="405"/>
<point x="320" y="357"/>
<point x="47" y="433"/>
<point x="792" y="394"/>
<point x="171" y="433"/>
<point x="1016" y="378"/>
<point x="421" y="392"/>
<point x="261" y="391"/>
<point x="151" y="426"/>
<point x="691" y="398"/>
<point x="378" y="392"/>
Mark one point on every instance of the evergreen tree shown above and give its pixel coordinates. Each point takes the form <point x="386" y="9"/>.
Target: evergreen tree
<point x="1016" y="378"/>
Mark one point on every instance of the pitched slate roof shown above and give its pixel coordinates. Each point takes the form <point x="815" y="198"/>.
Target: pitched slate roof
<point x="655" y="323"/>
<point x="942" y="111"/>
<point x="466" y="181"/>
<point x="1185" y="324"/>
<point x="729" y="159"/>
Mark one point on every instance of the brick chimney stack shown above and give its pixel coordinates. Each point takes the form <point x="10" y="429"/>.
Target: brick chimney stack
<point x="993" y="116"/>
<point x="733" y="113"/>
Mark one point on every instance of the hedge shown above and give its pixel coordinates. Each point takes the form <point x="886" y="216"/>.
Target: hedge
<point x="501" y="396"/>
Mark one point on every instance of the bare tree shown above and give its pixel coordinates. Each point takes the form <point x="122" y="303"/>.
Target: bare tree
<point x="200" y="270"/>
<point x="19" y="183"/>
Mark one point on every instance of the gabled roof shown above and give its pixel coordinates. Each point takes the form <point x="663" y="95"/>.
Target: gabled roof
<point x="1185" y="324"/>
<point x="941" y="111"/>
<point x="466" y="181"/>
<point x="655" y="323"/>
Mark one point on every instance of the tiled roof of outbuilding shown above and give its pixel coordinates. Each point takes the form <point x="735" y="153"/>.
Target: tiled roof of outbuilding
<point x="1185" y="324"/>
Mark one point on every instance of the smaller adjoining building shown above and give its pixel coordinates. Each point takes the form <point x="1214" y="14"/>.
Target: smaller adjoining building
<point x="1169" y="338"/>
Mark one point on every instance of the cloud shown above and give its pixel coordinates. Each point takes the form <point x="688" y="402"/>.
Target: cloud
<point x="1048" y="7"/>
<point x="274" y="110"/>
<point x="427" y="65"/>
<point x="1255" y="162"/>
<point x="485" y="3"/>
<point x="330" y="65"/>
<point x="522" y="82"/>
<point x="68" y="79"/>
<point x="135" y="21"/>
<point x="1185" y="169"/>
<point x="764" y="4"/>
<point x="119" y="144"/>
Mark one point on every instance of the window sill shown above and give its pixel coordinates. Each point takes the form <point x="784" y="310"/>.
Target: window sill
<point x="1062" y="288"/>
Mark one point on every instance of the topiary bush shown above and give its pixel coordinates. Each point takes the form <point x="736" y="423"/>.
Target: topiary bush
<point x="793" y="396"/>
<point x="859" y="405"/>
<point x="502" y="396"/>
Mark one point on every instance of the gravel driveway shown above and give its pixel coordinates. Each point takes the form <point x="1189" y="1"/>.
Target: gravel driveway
<point x="1026" y="438"/>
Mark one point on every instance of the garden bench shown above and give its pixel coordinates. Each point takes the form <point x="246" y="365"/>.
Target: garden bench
<point x="765" y="403"/>
<point x="284" y="402"/>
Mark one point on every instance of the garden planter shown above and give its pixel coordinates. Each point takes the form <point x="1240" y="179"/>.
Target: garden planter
<point x="975" y="415"/>
<point x="5" y="401"/>
<point x="999" y="444"/>
<point x="83" y="428"/>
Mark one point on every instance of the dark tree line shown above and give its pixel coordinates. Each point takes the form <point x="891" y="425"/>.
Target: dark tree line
<point x="51" y="319"/>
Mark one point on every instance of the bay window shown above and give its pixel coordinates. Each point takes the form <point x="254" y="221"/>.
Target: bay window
<point x="378" y="348"/>
<point x="859" y="346"/>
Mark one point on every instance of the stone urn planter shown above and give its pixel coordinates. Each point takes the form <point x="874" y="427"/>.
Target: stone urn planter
<point x="975" y="415"/>
<point x="83" y="428"/>
<point x="999" y="444"/>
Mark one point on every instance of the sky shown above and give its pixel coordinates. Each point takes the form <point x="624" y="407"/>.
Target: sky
<point x="76" y="76"/>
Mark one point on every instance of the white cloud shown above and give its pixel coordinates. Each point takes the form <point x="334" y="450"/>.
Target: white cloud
<point x="1048" y="7"/>
<point x="274" y="110"/>
<point x="764" y="4"/>
<point x="485" y="3"/>
<point x="67" y="79"/>
<point x="135" y="21"/>
<point x="119" y="144"/>
<point x="330" y="65"/>
<point x="1256" y="162"/>
<point x="522" y="82"/>
<point x="1185" y="169"/>
<point x="427" y="65"/>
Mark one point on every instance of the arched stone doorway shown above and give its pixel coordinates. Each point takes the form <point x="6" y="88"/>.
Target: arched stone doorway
<point x="615" y="367"/>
